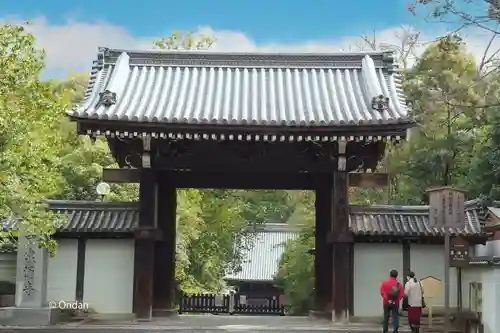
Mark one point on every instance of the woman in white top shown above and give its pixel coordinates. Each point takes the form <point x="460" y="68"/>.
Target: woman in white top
<point x="414" y="294"/>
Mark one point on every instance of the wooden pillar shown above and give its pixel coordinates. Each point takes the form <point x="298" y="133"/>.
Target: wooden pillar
<point x="164" y="268"/>
<point x="351" y="279"/>
<point x="80" y="268"/>
<point x="145" y="245"/>
<point x="406" y="260"/>
<point x="323" y="249"/>
<point x="342" y="240"/>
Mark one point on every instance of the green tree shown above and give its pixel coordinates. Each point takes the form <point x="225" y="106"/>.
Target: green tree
<point x="439" y="148"/>
<point x="29" y="136"/>
<point x="296" y="267"/>
<point x="83" y="160"/>
<point x="179" y="40"/>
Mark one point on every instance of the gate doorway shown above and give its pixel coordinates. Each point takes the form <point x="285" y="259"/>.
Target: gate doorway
<point x="245" y="121"/>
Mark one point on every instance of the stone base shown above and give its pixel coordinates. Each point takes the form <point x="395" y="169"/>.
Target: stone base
<point x="342" y="319"/>
<point x="317" y="314"/>
<point x="15" y="316"/>
<point x="165" y="313"/>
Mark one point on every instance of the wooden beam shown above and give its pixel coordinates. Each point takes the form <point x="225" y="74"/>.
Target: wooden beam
<point x="121" y="175"/>
<point x="359" y="179"/>
<point x="246" y="180"/>
<point x="219" y="180"/>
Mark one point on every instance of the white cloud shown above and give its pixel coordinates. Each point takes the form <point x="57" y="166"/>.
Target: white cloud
<point x="73" y="45"/>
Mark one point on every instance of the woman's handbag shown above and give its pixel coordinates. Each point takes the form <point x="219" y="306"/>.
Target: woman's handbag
<point x="424" y="305"/>
<point x="404" y="304"/>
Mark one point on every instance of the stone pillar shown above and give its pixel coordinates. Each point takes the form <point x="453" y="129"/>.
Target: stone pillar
<point x="164" y="269"/>
<point x="342" y="240"/>
<point x="32" y="308"/>
<point x="31" y="275"/>
<point x="491" y="299"/>
<point x="145" y="238"/>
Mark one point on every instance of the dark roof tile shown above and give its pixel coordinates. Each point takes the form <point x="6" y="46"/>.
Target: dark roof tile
<point x="382" y="220"/>
<point x="95" y="216"/>
<point x="197" y="88"/>
<point x="386" y="220"/>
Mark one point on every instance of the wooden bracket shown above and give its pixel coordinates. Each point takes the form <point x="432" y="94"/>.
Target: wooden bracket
<point x="344" y="237"/>
<point x="148" y="233"/>
<point x="368" y="180"/>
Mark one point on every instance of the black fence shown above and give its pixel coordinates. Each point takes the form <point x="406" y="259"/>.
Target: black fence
<point x="204" y="303"/>
<point x="230" y="304"/>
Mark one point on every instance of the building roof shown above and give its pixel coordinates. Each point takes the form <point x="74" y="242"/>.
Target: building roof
<point x="485" y="261"/>
<point x="495" y="211"/>
<point x="97" y="216"/>
<point x="374" y="220"/>
<point x="261" y="260"/>
<point x="186" y="87"/>
<point x="493" y="217"/>
<point x="389" y="220"/>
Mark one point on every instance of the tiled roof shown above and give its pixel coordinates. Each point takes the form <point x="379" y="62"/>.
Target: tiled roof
<point x="483" y="261"/>
<point x="89" y="216"/>
<point x="262" y="259"/>
<point x="244" y="89"/>
<point x="95" y="216"/>
<point x="385" y="220"/>
<point x="407" y="220"/>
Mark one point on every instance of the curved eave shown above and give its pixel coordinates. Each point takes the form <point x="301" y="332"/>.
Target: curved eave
<point x="105" y="127"/>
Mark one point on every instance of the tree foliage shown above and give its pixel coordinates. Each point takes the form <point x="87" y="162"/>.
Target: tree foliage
<point x="42" y="157"/>
<point x="29" y="136"/>
<point x="454" y="143"/>
<point x="179" y="40"/>
<point x="453" y="102"/>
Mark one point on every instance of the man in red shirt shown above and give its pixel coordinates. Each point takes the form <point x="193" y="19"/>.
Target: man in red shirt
<point x="392" y="292"/>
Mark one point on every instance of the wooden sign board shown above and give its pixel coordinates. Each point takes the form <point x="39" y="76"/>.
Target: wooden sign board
<point x="446" y="208"/>
<point x="368" y="180"/>
<point x="459" y="252"/>
<point x="432" y="287"/>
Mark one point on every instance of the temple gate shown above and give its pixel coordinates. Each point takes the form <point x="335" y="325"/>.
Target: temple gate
<point x="242" y="121"/>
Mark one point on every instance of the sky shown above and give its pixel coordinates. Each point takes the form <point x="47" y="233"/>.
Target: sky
<point x="71" y="31"/>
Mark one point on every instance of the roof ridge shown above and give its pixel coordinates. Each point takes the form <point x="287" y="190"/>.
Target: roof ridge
<point x="355" y="208"/>
<point x="117" y="51"/>
<point x="394" y="208"/>
<point x="190" y="58"/>
<point x="91" y="205"/>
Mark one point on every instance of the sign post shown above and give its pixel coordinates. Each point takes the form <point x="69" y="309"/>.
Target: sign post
<point x="446" y="211"/>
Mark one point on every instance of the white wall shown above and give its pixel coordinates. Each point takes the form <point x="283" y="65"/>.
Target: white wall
<point x="61" y="279"/>
<point x="428" y="260"/>
<point x="8" y="262"/>
<point x="109" y="275"/>
<point x="491" y="300"/>
<point x="372" y="264"/>
<point x="490" y="249"/>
